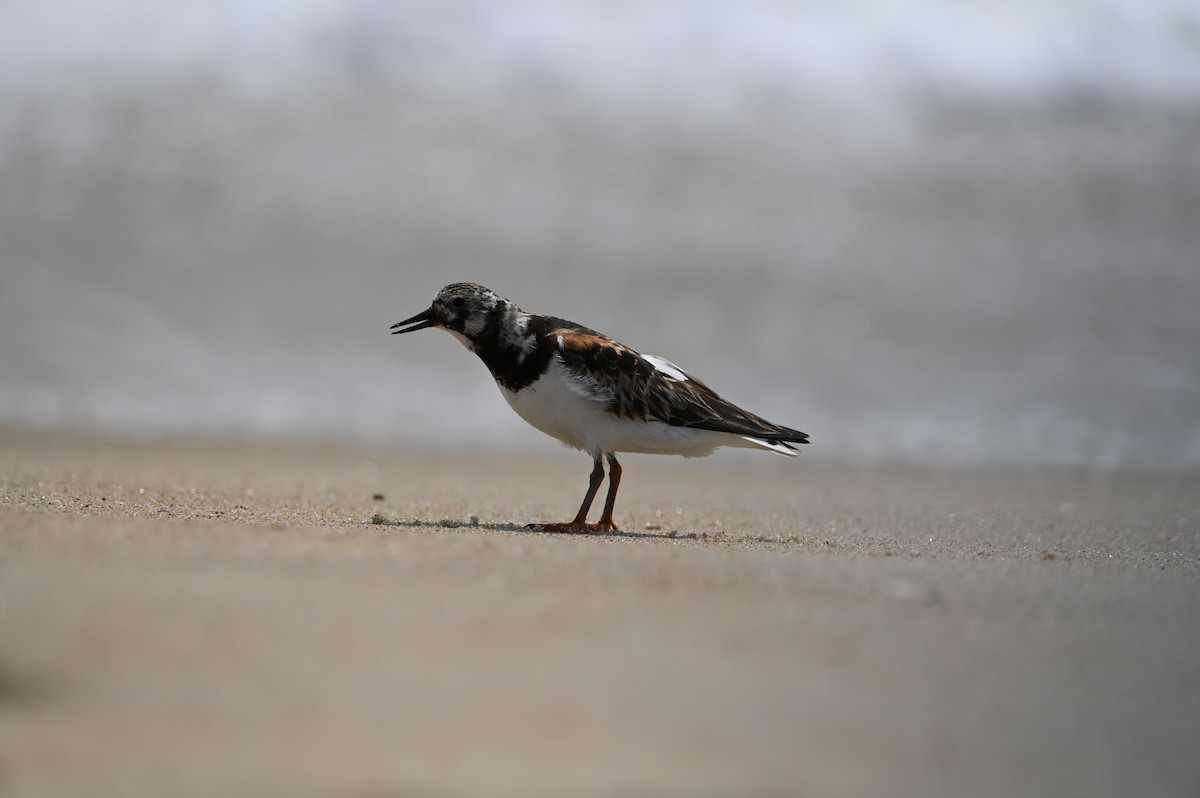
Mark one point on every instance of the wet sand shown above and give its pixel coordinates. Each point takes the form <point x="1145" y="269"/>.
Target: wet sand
<point x="190" y="617"/>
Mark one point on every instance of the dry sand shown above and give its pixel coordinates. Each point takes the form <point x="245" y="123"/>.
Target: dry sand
<point x="203" y="618"/>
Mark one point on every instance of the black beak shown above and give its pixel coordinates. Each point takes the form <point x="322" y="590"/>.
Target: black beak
<point x="426" y="318"/>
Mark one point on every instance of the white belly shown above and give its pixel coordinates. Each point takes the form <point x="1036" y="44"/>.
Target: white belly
<point x="565" y="409"/>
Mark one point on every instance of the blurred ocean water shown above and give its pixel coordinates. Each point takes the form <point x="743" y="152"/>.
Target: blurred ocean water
<point x="930" y="235"/>
<point x="859" y="51"/>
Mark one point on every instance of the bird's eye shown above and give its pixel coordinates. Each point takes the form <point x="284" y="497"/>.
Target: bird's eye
<point x="458" y="302"/>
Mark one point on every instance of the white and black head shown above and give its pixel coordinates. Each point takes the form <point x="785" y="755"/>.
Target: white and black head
<point x="468" y="310"/>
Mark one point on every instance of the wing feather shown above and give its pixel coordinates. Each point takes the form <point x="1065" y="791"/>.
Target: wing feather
<point x="650" y="387"/>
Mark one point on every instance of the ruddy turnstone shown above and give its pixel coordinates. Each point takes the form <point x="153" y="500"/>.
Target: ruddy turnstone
<point x="593" y="393"/>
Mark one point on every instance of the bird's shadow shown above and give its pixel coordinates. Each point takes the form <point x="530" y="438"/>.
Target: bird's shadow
<point x="454" y="523"/>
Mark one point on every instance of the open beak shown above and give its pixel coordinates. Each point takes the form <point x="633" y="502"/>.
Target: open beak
<point x="426" y="318"/>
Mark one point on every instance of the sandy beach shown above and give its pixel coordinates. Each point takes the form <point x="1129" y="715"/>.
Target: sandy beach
<point x="191" y="617"/>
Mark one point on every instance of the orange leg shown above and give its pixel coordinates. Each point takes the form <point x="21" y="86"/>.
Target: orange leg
<point x="580" y="524"/>
<point x="614" y="482"/>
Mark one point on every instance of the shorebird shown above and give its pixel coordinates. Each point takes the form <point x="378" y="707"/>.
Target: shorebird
<point x="592" y="392"/>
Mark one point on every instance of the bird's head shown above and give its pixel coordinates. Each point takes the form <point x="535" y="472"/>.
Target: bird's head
<point x="462" y="308"/>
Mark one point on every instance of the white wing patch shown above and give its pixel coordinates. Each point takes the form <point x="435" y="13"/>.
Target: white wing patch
<point x="579" y="384"/>
<point x="666" y="368"/>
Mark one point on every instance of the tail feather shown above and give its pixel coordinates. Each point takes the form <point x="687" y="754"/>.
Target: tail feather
<point x="774" y="444"/>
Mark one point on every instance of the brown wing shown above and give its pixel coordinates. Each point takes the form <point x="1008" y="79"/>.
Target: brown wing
<point x="638" y="390"/>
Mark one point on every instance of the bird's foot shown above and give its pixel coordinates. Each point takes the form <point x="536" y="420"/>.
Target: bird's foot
<point x="575" y="527"/>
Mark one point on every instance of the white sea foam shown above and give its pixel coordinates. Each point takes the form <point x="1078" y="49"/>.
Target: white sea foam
<point x="859" y="51"/>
